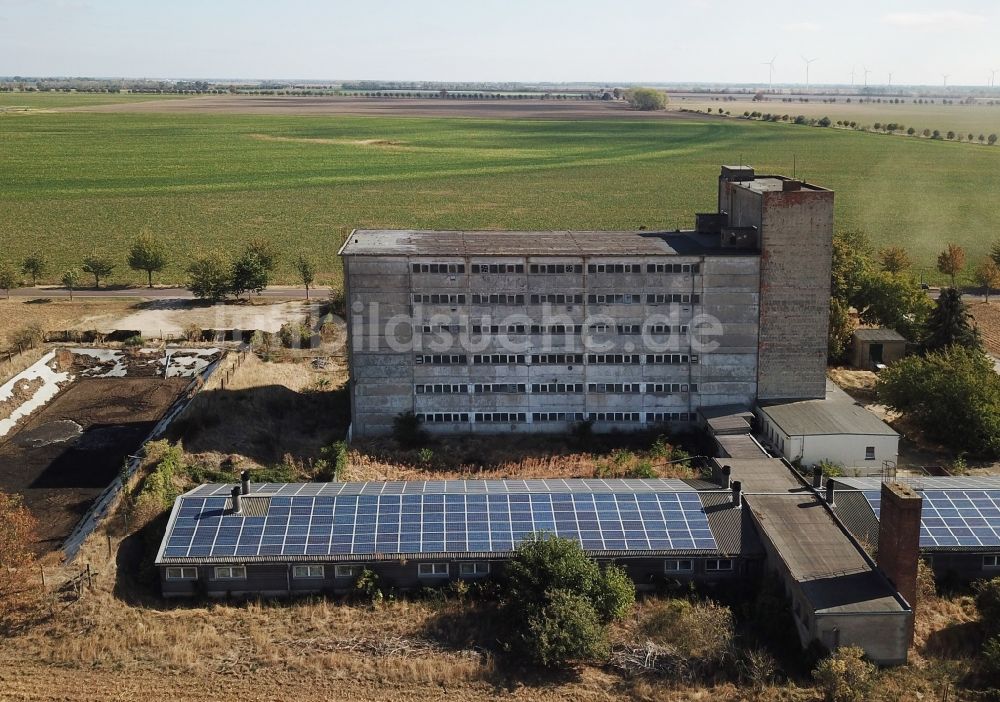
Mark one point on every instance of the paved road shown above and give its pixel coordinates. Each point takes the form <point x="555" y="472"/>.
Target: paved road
<point x="159" y="293"/>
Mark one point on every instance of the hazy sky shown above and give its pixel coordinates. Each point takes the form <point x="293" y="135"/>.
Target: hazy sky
<point x="523" y="40"/>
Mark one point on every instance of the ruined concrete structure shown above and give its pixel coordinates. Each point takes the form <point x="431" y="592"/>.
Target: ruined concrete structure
<point x="485" y="331"/>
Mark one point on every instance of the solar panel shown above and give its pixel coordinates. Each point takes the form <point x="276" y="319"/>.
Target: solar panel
<point x="446" y="521"/>
<point x="954" y="517"/>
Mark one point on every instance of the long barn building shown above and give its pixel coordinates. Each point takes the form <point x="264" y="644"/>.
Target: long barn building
<point x="488" y="331"/>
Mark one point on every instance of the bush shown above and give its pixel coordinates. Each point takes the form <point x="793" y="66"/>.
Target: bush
<point x="28" y="338"/>
<point x="367" y="587"/>
<point x="991" y="658"/>
<point x="295" y="335"/>
<point x="845" y="675"/>
<point x="988" y="603"/>
<point x="696" y="630"/>
<point x="134" y="342"/>
<point x="646" y="99"/>
<point x="558" y="602"/>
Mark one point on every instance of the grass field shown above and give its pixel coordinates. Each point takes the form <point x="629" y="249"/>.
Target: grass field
<point x="52" y="101"/>
<point x="979" y="119"/>
<point x="73" y="182"/>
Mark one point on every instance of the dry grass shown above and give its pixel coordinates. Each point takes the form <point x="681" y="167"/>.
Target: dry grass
<point x="57" y="314"/>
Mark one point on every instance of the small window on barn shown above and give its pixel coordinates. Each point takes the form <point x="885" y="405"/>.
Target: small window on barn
<point x="307" y="571"/>
<point x="678" y="565"/>
<point x="230" y="572"/>
<point x="991" y="562"/>
<point x="714" y="565"/>
<point x="474" y="570"/>
<point x="182" y="573"/>
<point x="869" y="453"/>
<point x="346" y="571"/>
<point x="432" y="570"/>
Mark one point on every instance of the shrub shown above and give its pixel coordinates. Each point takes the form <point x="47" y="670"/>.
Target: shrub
<point x="367" y="587"/>
<point x="696" y="630"/>
<point x="845" y="675"/>
<point x="565" y="628"/>
<point x="988" y="603"/>
<point x="991" y="658"/>
<point x="134" y="342"/>
<point x="407" y="431"/>
<point x="28" y="338"/>
<point x="295" y="335"/>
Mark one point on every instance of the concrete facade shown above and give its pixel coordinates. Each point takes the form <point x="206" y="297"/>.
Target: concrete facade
<point x="538" y="331"/>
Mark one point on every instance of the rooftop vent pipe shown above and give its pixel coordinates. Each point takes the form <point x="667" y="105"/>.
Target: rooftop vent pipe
<point x="727" y="474"/>
<point x="237" y="501"/>
<point x="737" y="493"/>
<point x="817" y="477"/>
<point x="829" y="491"/>
<point x="245" y="482"/>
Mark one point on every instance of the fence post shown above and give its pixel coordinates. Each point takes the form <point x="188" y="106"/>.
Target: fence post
<point x="41" y="569"/>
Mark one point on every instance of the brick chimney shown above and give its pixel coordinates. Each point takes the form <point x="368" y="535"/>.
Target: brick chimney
<point x="899" y="538"/>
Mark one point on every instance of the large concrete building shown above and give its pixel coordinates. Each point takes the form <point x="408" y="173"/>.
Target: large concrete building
<point x="486" y="331"/>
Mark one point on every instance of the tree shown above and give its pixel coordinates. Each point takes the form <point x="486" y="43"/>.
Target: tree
<point x="147" y="254"/>
<point x="18" y="594"/>
<point x="264" y="250"/>
<point x="949" y="323"/>
<point x="248" y="274"/>
<point x="952" y="395"/>
<point x="841" y="329"/>
<point x="995" y="252"/>
<point x="991" y="139"/>
<point x="646" y="99"/>
<point x="988" y="275"/>
<point x="209" y="276"/>
<point x="99" y="266"/>
<point x="558" y="601"/>
<point x="71" y="281"/>
<point x="307" y="272"/>
<point x="894" y="259"/>
<point x="894" y="301"/>
<point x="35" y="265"/>
<point x="951" y="261"/>
<point x="8" y="279"/>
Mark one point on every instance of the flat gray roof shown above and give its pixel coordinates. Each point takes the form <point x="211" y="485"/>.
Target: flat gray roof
<point x="831" y="570"/>
<point x="415" y="242"/>
<point x="836" y="414"/>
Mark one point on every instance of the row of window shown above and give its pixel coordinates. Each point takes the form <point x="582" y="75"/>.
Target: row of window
<point x="594" y="359"/>
<point x="550" y="388"/>
<point x="556" y="268"/>
<point x="623" y="329"/>
<point x="466" y="569"/>
<point x="514" y="417"/>
<point x="554" y="298"/>
<point x="318" y="572"/>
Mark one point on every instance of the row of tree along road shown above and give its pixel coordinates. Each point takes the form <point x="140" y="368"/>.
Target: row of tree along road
<point x="213" y="276"/>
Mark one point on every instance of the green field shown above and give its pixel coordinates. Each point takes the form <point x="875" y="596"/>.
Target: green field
<point x="53" y="100"/>
<point x="73" y="182"/>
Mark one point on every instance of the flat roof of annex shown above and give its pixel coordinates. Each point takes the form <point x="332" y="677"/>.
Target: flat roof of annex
<point x="459" y="244"/>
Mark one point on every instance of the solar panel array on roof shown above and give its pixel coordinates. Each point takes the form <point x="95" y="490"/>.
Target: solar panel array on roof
<point x="954" y="517"/>
<point x="353" y="524"/>
<point x="929" y="482"/>
<point x="401" y="487"/>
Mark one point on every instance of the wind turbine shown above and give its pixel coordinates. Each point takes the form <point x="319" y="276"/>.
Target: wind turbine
<point x="807" y="62"/>
<point x="890" y="79"/>
<point x="852" y="75"/>
<point x="993" y="77"/>
<point x="946" y="76"/>
<point x="770" y="72"/>
<point x="866" y="75"/>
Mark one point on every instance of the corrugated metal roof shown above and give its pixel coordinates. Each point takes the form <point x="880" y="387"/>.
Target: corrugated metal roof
<point x="857" y="514"/>
<point x="836" y="414"/>
<point x="731" y="525"/>
<point x="413" y="242"/>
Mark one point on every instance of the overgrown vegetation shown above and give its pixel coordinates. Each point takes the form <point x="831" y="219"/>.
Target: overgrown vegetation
<point x="19" y="595"/>
<point x="845" y="675"/>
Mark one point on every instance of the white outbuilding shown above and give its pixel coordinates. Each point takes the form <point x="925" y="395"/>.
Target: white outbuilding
<point x="835" y="429"/>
